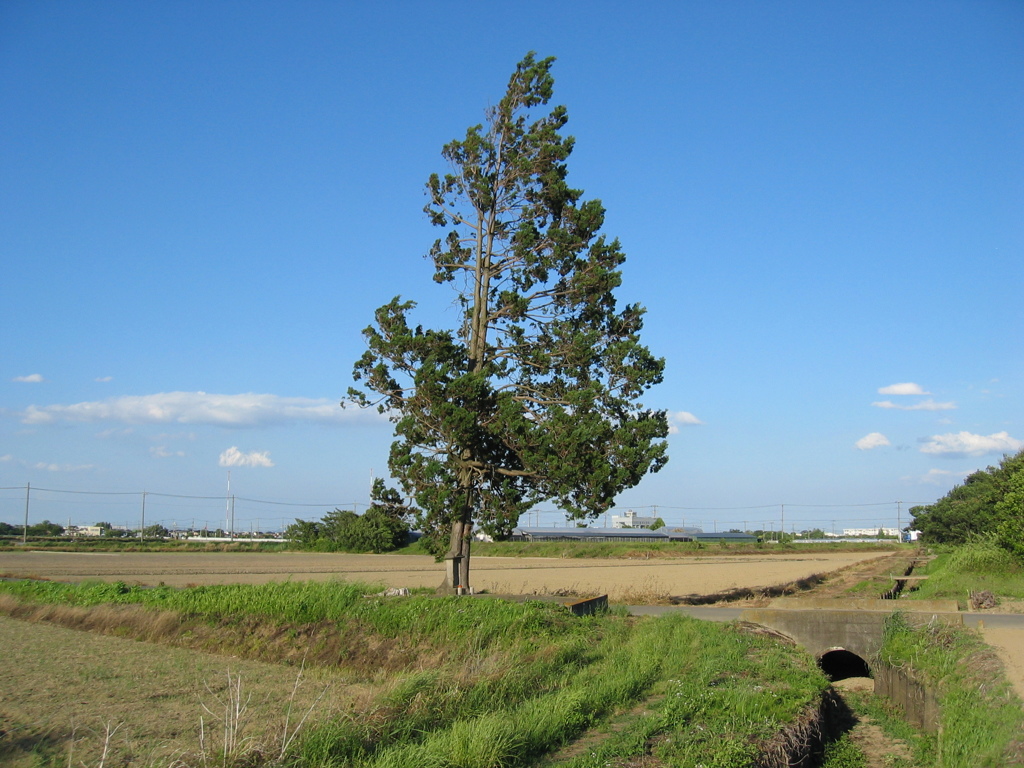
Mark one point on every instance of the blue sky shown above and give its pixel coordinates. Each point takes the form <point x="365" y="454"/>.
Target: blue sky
<point x="201" y="205"/>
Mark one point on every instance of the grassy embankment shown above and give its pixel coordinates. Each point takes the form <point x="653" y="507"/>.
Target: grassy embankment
<point x="981" y="719"/>
<point x="488" y="683"/>
<point x="979" y="566"/>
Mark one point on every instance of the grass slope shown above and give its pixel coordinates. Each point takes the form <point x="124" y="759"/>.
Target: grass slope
<point x="493" y="684"/>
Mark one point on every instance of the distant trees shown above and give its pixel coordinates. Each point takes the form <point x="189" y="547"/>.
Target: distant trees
<point x="45" y="528"/>
<point x="382" y="528"/>
<point x="989" y="502"/>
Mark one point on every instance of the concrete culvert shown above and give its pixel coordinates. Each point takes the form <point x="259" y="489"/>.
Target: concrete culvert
<point x="839" y="664"/>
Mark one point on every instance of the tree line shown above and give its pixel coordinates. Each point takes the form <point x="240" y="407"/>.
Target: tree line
<point x="382" y="528"/>
<point x="990" y="502"/>
<point x="46" y="528"/>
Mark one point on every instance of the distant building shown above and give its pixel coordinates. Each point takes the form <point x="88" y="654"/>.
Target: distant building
<point x="871" y="531"/>
<point x="632" y="520"/>
<point x="625" y="534"/>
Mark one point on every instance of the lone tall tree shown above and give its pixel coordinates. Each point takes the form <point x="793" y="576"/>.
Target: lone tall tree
<point x="534" y="396"/>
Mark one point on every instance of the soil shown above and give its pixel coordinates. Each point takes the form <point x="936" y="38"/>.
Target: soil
<point x="622" y="580"/>
<point x="1009" y="647"/>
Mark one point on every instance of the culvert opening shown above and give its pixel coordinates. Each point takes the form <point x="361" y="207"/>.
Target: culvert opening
<point x="840" y="664"/>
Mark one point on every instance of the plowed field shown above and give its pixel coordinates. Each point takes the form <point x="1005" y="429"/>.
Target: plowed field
<point x="619" y="578"/>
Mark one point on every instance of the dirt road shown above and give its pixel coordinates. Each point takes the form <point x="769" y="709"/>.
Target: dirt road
<point x="622" y="580"/>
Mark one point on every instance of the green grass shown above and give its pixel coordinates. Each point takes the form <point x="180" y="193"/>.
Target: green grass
<point x="893" y="723"/>
<point x="445" y="621"/>
<point x="512" y="682"/>
<point x="843" y="753"/>
<point x="979" y="565"/>
<point x="982" y="722"/>
<point x="707" y="693"/>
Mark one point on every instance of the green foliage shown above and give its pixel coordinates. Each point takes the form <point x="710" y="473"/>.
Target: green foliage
<point x="658" y="523"/>
<point x="982" y="555"/>
<point x="45" y="528"/>
<point x="535" y="395"/>
<point x="382" y="528"/>
<point x="990" y="501"/>
<point x="843" y="753"/>
<point x="981" y="718"/>
<point x="707" y="701"/>
<point x="305" y="533"/>
<point x="981" y="564"/>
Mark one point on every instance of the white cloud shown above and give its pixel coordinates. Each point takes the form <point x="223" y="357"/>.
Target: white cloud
<point x="161" y="452"/>
<point x="244" y="410"/>
<point x="104" y="379"/>
<point x="873" y="440"/>
<point x="32" y="378"/>
<point x="679" y="419"/>
<point x="6" y="457"/>
<point x="906" y="388"/>
<point x="924" y="405"/>
<point x="941" y="476"/>
<point x="62" y="467"/>
<point x="968" y="444"/>
<point x="233" y="457"/>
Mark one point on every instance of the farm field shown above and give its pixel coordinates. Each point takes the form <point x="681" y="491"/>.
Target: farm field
<point x="474" y="682"/>
<point x="61" y="689"/>
<point x="621" y="579"/>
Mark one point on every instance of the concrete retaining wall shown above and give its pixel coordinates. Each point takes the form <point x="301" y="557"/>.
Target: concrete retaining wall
<point x="902" y="687"/>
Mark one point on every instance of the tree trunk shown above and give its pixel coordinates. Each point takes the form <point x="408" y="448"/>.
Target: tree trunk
<point x="456" y="561"/>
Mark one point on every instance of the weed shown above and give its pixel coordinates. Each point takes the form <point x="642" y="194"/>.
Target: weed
<point x="843" y="754"/>
<point x="980" y="716"/>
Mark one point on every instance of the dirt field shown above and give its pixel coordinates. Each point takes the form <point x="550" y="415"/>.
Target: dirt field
<point x="620" y="579"/>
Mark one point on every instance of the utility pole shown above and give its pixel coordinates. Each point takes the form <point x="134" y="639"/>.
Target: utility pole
<point x="227" y="511"/>
<point x="142" y="530"/>
<point x="24" y="531"/>
<point x="899" y="522"/>
<point x="782" y="521"/>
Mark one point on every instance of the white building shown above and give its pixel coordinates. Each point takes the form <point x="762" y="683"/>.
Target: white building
<point x="871" y="531"/>
<point x="632" y="520"/>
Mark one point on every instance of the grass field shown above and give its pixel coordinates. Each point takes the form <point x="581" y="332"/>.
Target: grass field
<point x="475" y="682"/>
<point x="315" y="674"/>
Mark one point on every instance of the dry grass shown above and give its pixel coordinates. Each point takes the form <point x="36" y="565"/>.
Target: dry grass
<point x="79" y="698"/>
<point x="323" y="644"/>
